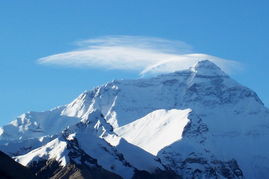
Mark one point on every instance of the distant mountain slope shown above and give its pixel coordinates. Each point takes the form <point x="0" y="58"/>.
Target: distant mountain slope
<point x="36" y="124"/>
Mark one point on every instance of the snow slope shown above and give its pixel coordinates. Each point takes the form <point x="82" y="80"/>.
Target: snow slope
<point x="156" y="130"/>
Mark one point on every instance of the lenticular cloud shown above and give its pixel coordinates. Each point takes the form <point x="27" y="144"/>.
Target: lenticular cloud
<point x="146" y="55"/>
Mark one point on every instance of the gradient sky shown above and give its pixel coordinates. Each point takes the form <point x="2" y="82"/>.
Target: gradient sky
<point x="236" y="30"/>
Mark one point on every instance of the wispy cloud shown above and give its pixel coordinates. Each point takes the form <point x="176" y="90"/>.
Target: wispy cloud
<point x="142" y="54"/>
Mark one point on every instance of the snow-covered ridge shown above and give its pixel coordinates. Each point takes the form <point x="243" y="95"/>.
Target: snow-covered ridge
<point x="156" y="130"/>
<point x="88" y="137"/>
<point x="55" y="149"/>
<point x="37" y="124"/>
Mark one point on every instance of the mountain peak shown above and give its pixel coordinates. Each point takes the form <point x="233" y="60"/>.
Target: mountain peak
<point x="207" y="68"/>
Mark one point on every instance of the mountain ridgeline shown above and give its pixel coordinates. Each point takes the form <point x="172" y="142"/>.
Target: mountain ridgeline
<point x="195" y="123"/>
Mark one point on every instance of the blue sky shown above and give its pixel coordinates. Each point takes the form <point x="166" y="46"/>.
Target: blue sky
<point x="236" y="30"/>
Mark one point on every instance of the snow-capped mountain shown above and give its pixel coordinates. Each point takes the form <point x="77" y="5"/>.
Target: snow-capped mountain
<point x="196" y="123"/>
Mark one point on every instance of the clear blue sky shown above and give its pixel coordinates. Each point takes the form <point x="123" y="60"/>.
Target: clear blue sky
<point x="235" y="29"/>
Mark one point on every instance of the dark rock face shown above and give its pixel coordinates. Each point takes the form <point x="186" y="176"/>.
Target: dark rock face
<point x="52" y="170"/>
<point x="9" y="169"/>
<point x="82" y="171"/>
<point x="157" y="175"/>
<point x="196" y="166"/>
<point x="211" y="169"/>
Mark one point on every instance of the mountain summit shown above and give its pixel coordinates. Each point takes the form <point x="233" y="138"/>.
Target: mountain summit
<point x="207" y="68"/>
<point x="195" y="123"/>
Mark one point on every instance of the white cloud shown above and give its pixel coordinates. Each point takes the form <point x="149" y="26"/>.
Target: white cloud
<point x="185" y="61"/>
<point x="142" y="54"/>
